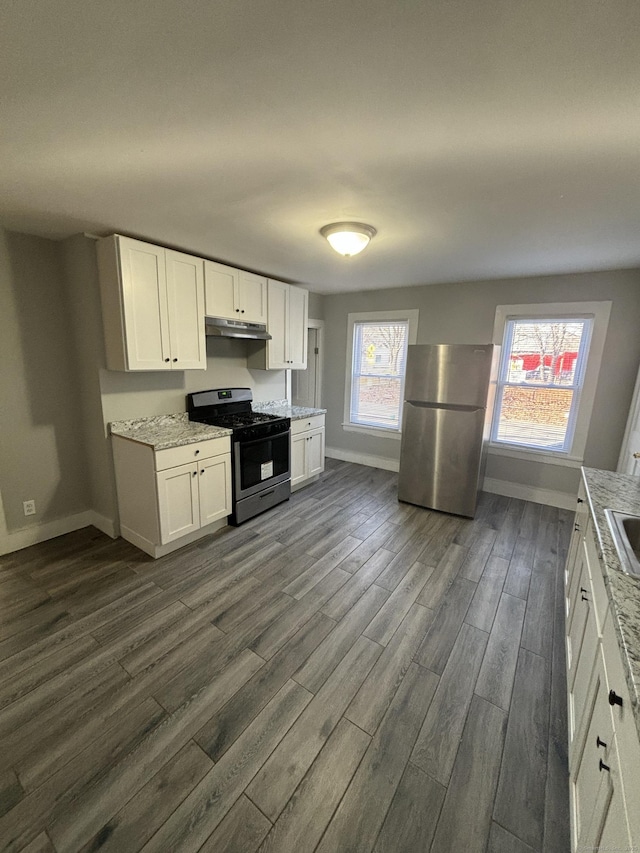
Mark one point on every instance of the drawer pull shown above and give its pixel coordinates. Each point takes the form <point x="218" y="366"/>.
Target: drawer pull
<point x="580" y="500"/>
<point x="584" y="598"/>
<point x="576" y="527"/>
<point x="582" y="589"/>
<point x="599" y="742"/>
<point x="614" y="699"/>
<point x="202" y="472"/>
<point x="195" y="474"/>
<point x="604" y="766"/>
<point x="196" y="452"/>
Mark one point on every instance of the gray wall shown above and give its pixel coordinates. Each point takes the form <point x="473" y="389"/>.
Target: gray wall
<point x="42" y="452"/>
<point x="458" y="313"/>
<point x="316" y="306"/>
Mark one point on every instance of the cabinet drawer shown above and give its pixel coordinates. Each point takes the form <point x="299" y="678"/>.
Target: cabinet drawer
<point x="174" y="456"/>
<point x="304" y="424"/>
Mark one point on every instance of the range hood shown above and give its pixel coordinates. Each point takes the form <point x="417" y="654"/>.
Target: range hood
<point x="221" y="328"/>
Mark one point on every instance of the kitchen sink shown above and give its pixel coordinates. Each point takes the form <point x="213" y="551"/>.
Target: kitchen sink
<point x="625" y="530"/>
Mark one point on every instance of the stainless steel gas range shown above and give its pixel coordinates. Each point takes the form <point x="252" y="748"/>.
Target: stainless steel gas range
<point x="259" y="448"/>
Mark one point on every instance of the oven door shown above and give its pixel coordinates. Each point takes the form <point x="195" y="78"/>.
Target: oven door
<point x="259" y="464"/>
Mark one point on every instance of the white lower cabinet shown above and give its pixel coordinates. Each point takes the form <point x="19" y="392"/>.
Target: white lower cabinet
<point x="171" y="497"/>
<point x="604" y="748"/>
<point x="307" y="450"/>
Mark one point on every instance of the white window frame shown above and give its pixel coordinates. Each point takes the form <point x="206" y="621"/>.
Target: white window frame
<point x="600" y="312"/>
<point x="410" y="316"/>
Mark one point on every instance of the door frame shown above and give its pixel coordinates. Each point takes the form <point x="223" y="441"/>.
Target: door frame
<point x="632" y="421"/>
<point x="319" y="326"/>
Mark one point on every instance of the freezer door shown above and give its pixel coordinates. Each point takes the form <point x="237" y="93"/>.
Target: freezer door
<point x="448" y="373"/>
<point x="441" y="457"/>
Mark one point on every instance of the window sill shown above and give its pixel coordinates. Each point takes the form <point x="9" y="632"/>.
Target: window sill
<point x="378" y="432"/>
<point x="561" y="459"/>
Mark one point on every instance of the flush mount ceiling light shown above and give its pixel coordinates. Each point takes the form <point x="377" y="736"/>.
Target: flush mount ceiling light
<point x="348" y="238"/>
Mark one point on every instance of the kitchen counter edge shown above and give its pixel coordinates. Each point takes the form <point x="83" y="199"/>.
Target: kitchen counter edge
<point x="165" y="431"/>
<point x="610" y="490"/>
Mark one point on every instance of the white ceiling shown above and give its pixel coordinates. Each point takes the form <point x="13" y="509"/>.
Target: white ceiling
<point x="482" y="138"/>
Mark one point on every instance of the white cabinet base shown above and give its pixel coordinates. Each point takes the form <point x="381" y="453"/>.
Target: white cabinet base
<point x="156" y="551"/>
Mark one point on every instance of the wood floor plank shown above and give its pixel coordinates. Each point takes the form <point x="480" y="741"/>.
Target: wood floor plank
<point x="437" y="743"/>
<point x="484" y="604"/>
<point x="321" y="568"/>
<point x="240" y="831"/>
<point x="362" y="811"/>
<point x="367" y="548"/>
<point x="199" y="814"/>
<point x="509" y="530"/>
<point x="501" y="841"/>
<point x="322" y="662"/>
<point x="30" y="816"/>
<point x="224" y="727"/>
<point x="520" y="797"/>
<point x="90" y="811"/>
<point x="378" y="689"/>
<point x="478" y="554"/>
<point x="401" y="563"/>
<point x="411" y="821"/>
<point x="495" y="680"/>
<point x="348" y="595"/>
<point x="540" y="601"/>
<point x="436" y="647"/>
<point x="306" y="815"/>
<point x="520" y="568"/>
<point x="284" y="770"/>
<point x="465" y="819"/>
<point x="143" y="815"/>
<point x="11" y="791"/>
<point x="41" y="844"/>
<point x="441" y="578"/>
<point x="276" y="635"/>
<point x="384" y="625"/>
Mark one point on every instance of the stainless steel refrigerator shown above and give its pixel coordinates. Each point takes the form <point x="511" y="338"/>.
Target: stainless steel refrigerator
<point x="445" y="425"/>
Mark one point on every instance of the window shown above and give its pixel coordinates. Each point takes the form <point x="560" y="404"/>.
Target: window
<point x="547" y="376"/>
<point x="376" y="359"/>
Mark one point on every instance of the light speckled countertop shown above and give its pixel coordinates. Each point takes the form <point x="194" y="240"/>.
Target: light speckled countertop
<point x="165" y="431"/>
<point x="608" y="490"/>
<point x="284" y="410"/>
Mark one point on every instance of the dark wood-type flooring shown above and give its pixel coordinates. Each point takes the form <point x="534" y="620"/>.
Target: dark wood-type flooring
<point x="344" y="673"/>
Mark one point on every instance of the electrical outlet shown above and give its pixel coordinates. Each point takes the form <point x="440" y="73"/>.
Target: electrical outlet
<point x="29" y="507"/>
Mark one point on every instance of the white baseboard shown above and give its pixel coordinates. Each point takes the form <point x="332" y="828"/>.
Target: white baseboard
<point x="529" y="493"/>
<point x="106" y="525"/>
<point x="363" y="459"/>
<point x="497" y="487"/>
<point x="18" y="539"/>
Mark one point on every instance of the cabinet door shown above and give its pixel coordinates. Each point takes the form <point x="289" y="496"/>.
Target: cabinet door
<point x="597" y="801"/>
<point x="297" y="328"/>
<point x="214" y="476"/>
<point x="185" y="298"/>
<point x="253" y="297"/>
<point x="298" y="458"/>
<point x="221" y="290"/>
<point x="315" y="453"/>
<point x="583" y="648"/>
<point x="178" y="502"/>
<point x="277" y="357"/>
<point x="144" y="296"/>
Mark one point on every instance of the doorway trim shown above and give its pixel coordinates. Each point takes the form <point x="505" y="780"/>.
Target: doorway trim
<point x="319" y="326"/>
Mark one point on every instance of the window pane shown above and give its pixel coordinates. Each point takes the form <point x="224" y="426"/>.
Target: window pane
<point x="379" y="356"/>
<point x="540" y="379"/>
<point x="544" y="352"/>
<point x="377" y="401"/>
<point x="535" y="417"/>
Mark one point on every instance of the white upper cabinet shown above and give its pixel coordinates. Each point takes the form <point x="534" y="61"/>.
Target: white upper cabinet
<point x="288" y="311"/>
<point x="234" y="294"/>
<point x="152" y="306"/>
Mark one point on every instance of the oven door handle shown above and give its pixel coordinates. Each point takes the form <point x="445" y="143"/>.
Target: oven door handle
<point x="263" y="439"/>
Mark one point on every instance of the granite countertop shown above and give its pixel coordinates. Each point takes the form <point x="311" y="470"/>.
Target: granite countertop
<point x="608" y="490"/>
<point x="283" y="409"/>
<point x="165" y="431"/>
